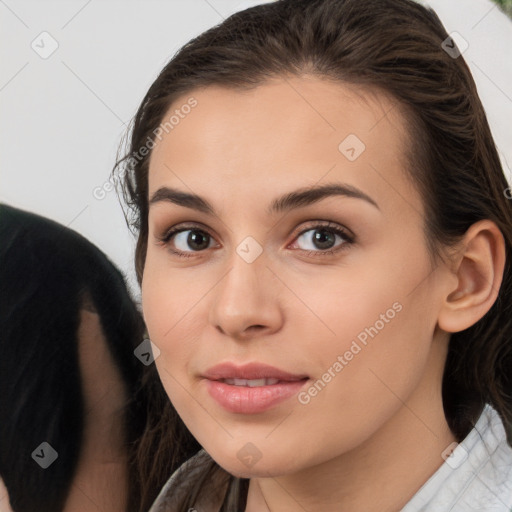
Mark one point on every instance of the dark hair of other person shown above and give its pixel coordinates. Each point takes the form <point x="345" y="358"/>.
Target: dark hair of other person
<point x="48" y="272"/>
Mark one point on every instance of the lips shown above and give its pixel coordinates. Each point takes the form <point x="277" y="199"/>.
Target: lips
<point x="250" y="371"/>
<point x="252" y="388"/>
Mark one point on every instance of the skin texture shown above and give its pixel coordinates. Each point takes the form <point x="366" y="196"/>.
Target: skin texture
<point x="101" y="479"/>
<point x="4" y="498"/>
<point x="379" y="423"/>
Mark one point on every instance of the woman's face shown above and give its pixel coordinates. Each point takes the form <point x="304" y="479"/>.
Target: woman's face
<point x="337" y="288"/>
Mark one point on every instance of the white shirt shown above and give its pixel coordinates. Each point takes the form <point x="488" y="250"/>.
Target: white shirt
<point x="476" y="477"/>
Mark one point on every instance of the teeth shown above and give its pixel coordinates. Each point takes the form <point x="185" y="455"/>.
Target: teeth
<point x="252" y="383"/>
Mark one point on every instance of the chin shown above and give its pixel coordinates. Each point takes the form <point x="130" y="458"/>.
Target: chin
<point x="260" y="469"/>
<point x="261" y="472"/>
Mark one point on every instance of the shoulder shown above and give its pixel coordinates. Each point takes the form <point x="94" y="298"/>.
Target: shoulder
<point x="199" y="483"/>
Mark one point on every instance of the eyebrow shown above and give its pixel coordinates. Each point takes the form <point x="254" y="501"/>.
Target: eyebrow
<point x="292" y="200"/>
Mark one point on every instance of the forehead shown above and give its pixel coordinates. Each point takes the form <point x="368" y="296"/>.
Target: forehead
<point x="283" y="133"/>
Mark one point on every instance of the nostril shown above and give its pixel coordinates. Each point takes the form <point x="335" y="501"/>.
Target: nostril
<point x="255" y="327"/>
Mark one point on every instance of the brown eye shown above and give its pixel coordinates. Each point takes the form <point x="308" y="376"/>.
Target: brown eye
<point x="321" y="239"/>
<point x="187" y="240"/>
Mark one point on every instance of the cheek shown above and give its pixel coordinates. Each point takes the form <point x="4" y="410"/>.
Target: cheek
<point x="174" y="315"/>
<point x="374" y="327"/>
<point x="164" y="304"/>
<point x="361" y="373"/>
<point x="164" y="295"/>
<point x="162" y="312"/>
<point x="364" y="372"/>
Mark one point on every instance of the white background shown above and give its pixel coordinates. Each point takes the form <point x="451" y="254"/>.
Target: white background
<point x="62" y="117"/>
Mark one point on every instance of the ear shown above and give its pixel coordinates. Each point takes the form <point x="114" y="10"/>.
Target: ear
<point x="479" y="272"/>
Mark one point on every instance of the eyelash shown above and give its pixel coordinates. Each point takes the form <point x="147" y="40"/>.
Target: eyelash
<point x="329" y="226"/>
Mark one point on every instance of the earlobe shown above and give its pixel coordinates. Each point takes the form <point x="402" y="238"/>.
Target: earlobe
<point x="479" y="275"/>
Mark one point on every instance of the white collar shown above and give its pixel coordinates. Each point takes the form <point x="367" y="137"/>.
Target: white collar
<point x="476" y="477"/>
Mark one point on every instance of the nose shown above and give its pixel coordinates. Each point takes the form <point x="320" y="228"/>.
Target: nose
<point x="246" y="302"/>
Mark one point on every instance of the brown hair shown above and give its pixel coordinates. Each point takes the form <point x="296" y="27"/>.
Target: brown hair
<point x="396" y="47"/>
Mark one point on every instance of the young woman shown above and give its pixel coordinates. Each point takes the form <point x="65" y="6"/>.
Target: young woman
<point x="324" y="252"/>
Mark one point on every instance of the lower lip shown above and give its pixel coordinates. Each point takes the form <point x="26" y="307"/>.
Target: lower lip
<point x="247" y="400"/>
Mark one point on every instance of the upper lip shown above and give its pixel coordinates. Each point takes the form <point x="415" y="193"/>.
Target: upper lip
<point x="248" y="371"/>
